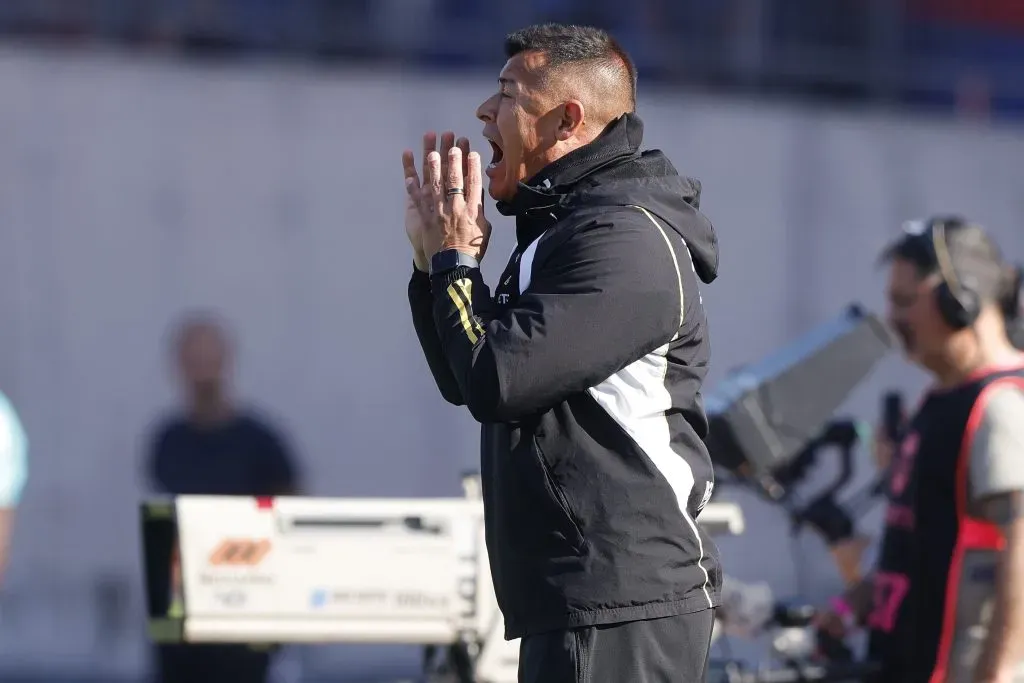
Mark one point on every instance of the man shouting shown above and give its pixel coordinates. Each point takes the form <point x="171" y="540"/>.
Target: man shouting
<point x="584" y="367"/>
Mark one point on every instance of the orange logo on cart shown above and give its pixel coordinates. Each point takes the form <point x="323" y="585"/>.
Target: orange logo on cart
<point x="240" y="552"/>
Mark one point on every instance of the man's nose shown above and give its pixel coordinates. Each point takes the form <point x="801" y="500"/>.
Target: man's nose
<point x="488" y="109"/>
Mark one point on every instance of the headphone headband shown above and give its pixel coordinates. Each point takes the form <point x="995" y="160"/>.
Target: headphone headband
<point x="942" y="258"/>
<point x="957" y="301"/>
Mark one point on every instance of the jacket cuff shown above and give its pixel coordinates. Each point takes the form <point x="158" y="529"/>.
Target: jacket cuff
<point x="419" y="278"/>
<point x="441" y="281"/>
<point x="449" y="265"/>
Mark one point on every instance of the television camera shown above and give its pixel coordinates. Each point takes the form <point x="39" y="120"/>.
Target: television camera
<point x="320" y="570"/>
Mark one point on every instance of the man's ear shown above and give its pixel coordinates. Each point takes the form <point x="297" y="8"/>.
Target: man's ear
<point x="571" y="120"/>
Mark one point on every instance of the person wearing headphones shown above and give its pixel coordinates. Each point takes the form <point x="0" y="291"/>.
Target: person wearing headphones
<point x="945" y="603"/>
<point x="13" y="472"/>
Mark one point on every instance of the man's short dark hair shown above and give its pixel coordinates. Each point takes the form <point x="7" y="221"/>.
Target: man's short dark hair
<point x="975" y="257"/>
<point x="567" y="44"/>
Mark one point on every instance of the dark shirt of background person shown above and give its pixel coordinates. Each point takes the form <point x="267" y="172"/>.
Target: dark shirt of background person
<point x="213" y="447"/>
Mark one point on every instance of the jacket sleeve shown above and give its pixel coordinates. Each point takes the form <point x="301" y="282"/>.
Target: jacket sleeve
<point x="605" y="297"/>
<point x="422" y="304"/>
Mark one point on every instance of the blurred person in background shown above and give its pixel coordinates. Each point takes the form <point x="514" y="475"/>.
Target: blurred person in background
<point x="945" y="603"/>
<point x="585" y="368"/>
<point x="212" y="446"/>
<point x="13" y="473"/>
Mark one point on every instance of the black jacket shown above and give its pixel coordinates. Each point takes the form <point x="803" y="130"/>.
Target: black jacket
<point x="585" y="371"/>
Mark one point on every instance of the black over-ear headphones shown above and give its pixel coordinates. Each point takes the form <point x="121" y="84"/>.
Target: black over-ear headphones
<point x="1013" y="302"/>
<point x="958" y="303"/>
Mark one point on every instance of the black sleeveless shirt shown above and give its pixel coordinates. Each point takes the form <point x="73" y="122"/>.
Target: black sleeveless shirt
<point x="919" y="622"/>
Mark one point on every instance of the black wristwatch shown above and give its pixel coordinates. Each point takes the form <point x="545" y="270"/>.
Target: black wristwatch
<point x="450" y="259"/>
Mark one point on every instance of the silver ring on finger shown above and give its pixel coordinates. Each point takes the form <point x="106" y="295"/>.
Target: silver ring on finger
<point x="455" y="191"/>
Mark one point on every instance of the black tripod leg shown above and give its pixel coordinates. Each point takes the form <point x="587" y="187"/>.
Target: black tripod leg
<point x="461" y="662"/>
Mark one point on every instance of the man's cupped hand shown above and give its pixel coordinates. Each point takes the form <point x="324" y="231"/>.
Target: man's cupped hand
<point x="445" y="210"/>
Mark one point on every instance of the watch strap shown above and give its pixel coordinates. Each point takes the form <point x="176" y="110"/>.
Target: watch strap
<point x="450" y="259"/>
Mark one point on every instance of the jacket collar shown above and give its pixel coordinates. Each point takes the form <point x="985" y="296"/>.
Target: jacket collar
<point x="544" y="199"/>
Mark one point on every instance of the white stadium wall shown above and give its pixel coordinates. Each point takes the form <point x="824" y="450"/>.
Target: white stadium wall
<point x="134" y="189"/>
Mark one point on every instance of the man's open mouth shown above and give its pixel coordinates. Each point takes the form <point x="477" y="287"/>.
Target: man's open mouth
<point x="496" y="154"/>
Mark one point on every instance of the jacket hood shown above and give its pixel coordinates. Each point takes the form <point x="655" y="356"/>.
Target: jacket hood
<point x="612" y="171"/>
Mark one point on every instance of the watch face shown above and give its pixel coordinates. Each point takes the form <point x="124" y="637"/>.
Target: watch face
<point x="441" y="261"/>
<point x="449" y="259"/>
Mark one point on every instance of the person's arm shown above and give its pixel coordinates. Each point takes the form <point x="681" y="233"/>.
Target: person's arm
<point x="847" y="555"/>
<point x="861" y="598"/>
<point x="13" y="473"/>
<point x="1003" y="652"/>
<point x="421" y="302"/>
<point x="854" y="605"/>
<point x="607" y="296"/>
<point x="997" y="487"/>
<point x="849" y="611"/>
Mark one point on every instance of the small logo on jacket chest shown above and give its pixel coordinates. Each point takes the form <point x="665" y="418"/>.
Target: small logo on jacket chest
<point x="506" y="295"/>
<point x="506" y="292"/>
<point x="508" y="285"/>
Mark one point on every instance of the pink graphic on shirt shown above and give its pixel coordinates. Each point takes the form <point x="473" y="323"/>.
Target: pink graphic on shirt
<point x="901" y="517"/>
<point x="904" y="464"/>
<point x="890" y="590"/>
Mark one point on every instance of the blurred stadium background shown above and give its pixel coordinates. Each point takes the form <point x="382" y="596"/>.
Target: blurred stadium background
<point x="162" y="155"/>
